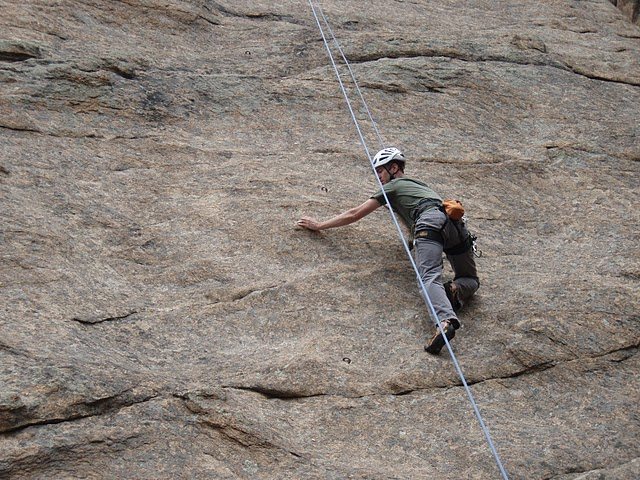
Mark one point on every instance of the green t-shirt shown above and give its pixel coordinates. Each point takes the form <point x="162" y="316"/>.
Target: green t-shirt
<point x="404" y="195"/>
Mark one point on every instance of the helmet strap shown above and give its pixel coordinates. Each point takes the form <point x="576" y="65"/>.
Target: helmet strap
<point x="391" y="175"/>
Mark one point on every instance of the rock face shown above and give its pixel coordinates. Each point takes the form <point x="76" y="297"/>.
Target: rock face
<point x="631" y="8"/>
<point x="161" y="317"/>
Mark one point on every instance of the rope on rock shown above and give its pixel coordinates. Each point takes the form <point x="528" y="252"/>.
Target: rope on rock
<point x="317" y="12"/>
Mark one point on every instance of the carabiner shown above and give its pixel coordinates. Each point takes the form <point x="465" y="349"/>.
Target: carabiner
<point x="477" y="252"/>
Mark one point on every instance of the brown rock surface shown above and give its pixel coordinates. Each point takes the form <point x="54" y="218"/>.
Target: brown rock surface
<point x="161" y="317"/>
<point x="631" y="8"/>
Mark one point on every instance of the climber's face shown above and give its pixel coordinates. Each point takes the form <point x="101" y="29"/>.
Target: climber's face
<point x="386" y="172"/>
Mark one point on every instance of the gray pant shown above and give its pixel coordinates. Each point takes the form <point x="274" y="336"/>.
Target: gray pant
<point x="428" y="255"/>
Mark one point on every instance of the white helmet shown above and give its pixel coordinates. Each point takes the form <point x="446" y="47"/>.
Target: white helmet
<point x="387" y="155"/>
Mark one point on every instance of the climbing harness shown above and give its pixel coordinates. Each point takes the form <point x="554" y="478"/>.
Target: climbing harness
<point x="430" y="234"/>
<point x="317" y="13"/>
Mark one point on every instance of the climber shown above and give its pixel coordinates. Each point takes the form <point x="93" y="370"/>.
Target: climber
<point x="433" y="232"/>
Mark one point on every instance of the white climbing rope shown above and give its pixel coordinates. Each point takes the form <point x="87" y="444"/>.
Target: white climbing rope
<point x="315" y="9"/>
<point x="353" y="77"/>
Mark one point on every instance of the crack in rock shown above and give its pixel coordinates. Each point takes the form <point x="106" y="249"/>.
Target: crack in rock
<point x="540" y="367"/>
<point x="13" y="350"/>
<point x="15" y="51"/>
<point x="91" y="408"/>
<point x="273" y="17"/>
<point x="218" y="297"/>
<point x="275" y="393"/>
<point x="464" y="57"/>
<point x="598" y="472"/>
<point x="20" y="129"/>
<point x="244" y="438"/>
<point x="226" y="426"/>
<point x="72" y="135"/>
<point x="95" y="319"/>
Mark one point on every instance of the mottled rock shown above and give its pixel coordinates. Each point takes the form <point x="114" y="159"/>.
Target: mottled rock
<point x="161" y="316"/>
<point x="631" y="8"/>
<point x="17" y="51"/>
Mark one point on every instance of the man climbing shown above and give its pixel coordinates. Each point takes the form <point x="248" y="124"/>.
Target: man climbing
<point x="421" y="209"/>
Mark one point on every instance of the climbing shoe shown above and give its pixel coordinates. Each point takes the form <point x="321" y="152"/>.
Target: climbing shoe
<point x="435" y="344"/>
<point x="452" y="295"/>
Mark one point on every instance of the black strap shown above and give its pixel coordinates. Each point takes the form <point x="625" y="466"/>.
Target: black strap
<point x="436" y="236"/>
<point x="424" y="205"/>
<point x="431" y="234"/>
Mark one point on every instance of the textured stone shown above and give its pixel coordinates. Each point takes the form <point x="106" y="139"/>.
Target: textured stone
<point x="631" y="8"/>
<point x="161" y="317"/>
